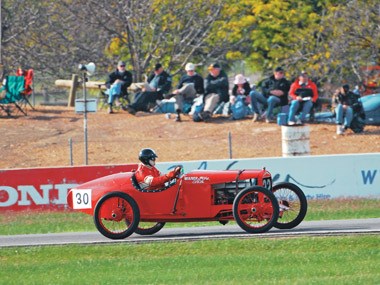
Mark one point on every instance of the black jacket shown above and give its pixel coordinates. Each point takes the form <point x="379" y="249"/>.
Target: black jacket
<point x="196" y="79"/>
<point x="272" y="84"/>
<point x="348" y="99"/>
<point x="246" y="87"/>
<point x="218" y="85"/>
<point x="125" y="76"/>
<point x="164" y="82"/>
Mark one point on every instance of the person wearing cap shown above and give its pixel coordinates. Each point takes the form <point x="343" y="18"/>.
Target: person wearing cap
<point x="241" y="88"/>
<point x="345" y="101"/>
<point x="158" y="85"/>
<point x="189" y="87"/>
<point x="274" y="93"/>
<point x="304" y="94"/>
<point x="117" y="85"/>
<point x="216" y="90"/>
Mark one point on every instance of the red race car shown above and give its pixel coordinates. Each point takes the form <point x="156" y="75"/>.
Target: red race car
<point x="120" y="207"/>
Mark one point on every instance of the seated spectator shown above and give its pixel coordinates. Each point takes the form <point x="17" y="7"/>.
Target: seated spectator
<point x="304" y="94"/>
<point x="344" y="110"/>
<point x="216" y="90"/>
<point x="159" y="84"/>
<point x="117" y="85"/>
<point x="189" y="87"/>
<point x="239" y="99"/>
<point x="274" y="93"/>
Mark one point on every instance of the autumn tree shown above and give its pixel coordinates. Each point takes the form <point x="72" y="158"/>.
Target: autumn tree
<point x="351" y="31"/>
<point x="330" y="39"/>
<point x="45" y="36"/>
<point x="146" y="31"/>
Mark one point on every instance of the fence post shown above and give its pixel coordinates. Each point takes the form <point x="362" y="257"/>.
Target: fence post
<point x="230" y="143"/>
<point x="71" y="151"/>
<point x="73" y="89"/>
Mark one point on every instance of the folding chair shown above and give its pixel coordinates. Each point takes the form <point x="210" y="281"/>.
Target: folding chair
<point x="14" y="86"/>
<point x="28" y="90"/>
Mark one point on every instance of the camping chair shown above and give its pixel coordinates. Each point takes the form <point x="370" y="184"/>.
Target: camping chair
<point x="28" y="90"/>
<point x="14" y="86"/>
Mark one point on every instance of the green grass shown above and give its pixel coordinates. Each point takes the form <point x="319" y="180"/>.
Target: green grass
<point x="306" y="260"/>
<point x="55" y="222"/>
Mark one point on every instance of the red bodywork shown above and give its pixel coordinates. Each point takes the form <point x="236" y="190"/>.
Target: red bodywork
<point x="201" y="195"/>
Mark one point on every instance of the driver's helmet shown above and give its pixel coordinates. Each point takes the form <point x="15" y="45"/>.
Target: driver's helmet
<point x="147" y="154"/>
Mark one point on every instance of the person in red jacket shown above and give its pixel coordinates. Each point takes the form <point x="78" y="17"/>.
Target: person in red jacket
<point x="304" y="94"/>
<point x="148" y="176"/>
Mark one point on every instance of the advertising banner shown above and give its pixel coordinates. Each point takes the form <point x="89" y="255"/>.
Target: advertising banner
<point x="46" y="188"/>
<point x="320" y="177"/>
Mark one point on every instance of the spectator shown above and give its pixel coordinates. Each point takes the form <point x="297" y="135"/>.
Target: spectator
<point x="117" y="85"/>
<point x="344" y="110"/>
<point x="240" y="93"/>
<point x="274" y="93"/>
<point x="216" y="90"/>
<point x="304" y="94"/>
<point x="190" y="86"/>
<point x="148" y="176"/>
<point x="159" y="84"/>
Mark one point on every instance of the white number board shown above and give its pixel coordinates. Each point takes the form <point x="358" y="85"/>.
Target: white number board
<point x="81" y="198"/>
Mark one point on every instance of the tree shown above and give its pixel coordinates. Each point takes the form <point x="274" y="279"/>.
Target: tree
<point x="353" y="42"/>
<point x="146" y="31"/>
<point x="330" y="39"/>
<point x="44" y="36"/>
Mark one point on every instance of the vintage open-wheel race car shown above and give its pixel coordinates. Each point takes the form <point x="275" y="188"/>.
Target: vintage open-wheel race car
<point x="120" y="207"/>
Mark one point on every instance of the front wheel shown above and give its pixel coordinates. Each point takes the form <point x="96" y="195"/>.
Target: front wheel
<point x="145" y="228"/>
<point x="255" y="209"/>
<point x="116" y="215"/>
<point x="293" y="205"/>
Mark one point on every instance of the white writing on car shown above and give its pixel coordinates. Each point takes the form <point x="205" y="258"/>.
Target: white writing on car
<point x="197" y="179"/>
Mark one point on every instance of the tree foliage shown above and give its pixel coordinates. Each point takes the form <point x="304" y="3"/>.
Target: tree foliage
<point x="144" y="32"/>
<point x="331" y="39"/>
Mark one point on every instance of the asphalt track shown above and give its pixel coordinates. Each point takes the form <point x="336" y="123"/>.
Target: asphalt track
<point x="314" y="228"/>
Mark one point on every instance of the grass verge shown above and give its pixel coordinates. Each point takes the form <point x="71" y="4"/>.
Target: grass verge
<point x="305" y="260"/>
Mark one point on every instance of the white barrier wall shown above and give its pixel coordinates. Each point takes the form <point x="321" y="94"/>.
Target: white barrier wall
<point x="320" y="177"/>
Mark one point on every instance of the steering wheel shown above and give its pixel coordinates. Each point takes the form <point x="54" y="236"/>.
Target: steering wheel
<point x="178" y="170"/>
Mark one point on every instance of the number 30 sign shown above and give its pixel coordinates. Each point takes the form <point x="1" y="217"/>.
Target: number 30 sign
<point x="81" y="199"/>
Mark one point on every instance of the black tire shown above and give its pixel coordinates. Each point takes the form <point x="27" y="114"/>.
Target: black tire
<point x="146" y="229"/>
<point x="116" y="215"/>
<point x="293" y="205"/>
<point x="255" y="209"/>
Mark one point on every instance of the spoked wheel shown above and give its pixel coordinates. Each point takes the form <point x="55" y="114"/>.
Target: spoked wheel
<point x="292" y="203"/>
<point x="255" y="209"/>
<point x="116" y="215"/>
<point x="146" y="228"/>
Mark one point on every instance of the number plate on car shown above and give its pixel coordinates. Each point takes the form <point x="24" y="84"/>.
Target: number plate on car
<point x="81" y="199"/>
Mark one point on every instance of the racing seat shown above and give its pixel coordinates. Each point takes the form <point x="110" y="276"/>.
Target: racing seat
<point x="13" y="88"/>
<point x="28" y="90"/>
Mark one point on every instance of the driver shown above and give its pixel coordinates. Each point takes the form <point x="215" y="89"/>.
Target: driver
<point x="148" y="176"/>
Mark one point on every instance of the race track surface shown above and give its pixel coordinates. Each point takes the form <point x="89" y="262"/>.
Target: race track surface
<point x="314" y="228"/>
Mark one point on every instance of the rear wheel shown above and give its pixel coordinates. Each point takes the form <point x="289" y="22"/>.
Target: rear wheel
<point x="255" y="209"/>
<point x="145" y="228"/>
<point x="116" y="215"/>
<point x="293" y="205"/>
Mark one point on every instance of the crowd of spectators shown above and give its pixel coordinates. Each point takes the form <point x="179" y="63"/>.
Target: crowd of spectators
<point x="295" y="99"/>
